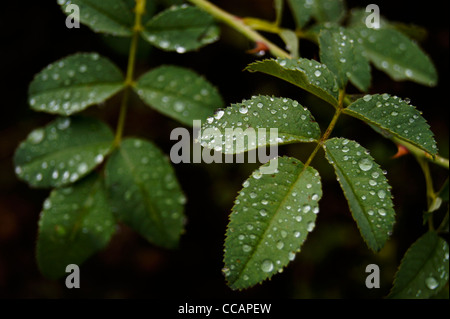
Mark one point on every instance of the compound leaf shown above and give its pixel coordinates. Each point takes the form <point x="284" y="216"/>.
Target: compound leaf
<point x="72" y="84"/>
<point x="179" y="93"/>
<point x="106" y="16"/>
<point x="144" y="192"/>
<point x="310" y="75"/>
<point x="63" y="151"/>
<point x="270" y="220"/>
<point x="181" y="29"/>
<point x="397" y="55"/>
<point x="424" y="270"/>
<point x="366" y="189"/>
<point x="76" y="222"/>
<point x="395" y="116"/>
<point x="226" y="129"/>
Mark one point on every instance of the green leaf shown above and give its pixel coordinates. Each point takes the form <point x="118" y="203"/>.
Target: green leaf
<point x="63" y="151"/>
<point x="257" y="118"/>
<point x="366" y="189"/>
<point x="72" y="84"/>
<point x="329" y="10"/>
<point x="358" y="18"/>
<point x="106" y="16"/>
<point x="397" y="55"/>
<point x="444" y="192"/>
<point x="291" y="40"/>
<point x="423" y="271"/>
<point x="360" y="75"/>
<point x="336" y="51"/>
<point x="144" y="192"/>
<point x="270" y="220"/>
<point x="278" y="5"/>
<point x="179" y="93"/>
<point x="396" y="116"/>
<point x="181" y="29"/>
<point x="302" y="11"/>
<point x="310" y="75"/>
<point x="76" y="222"/>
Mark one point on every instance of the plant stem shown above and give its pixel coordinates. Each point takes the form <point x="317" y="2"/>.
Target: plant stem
<point x="329" y="129"/>
<point x="139" y="11"/>
<point x="431" y="195"/>
<point x="419" y="153"/>
<point x="240" y="26"/>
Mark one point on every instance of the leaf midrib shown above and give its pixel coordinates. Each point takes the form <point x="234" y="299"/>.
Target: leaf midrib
<point x="344" y="176"/>
<point x="277" y="211"/>
<point x="77" y="86"/>
<point x="150" y="207"/>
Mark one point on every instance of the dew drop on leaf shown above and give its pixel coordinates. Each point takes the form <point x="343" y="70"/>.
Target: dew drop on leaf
<point x="267" y="265"/>
<point x="365" y="164"/>
<point x="431" y="283"/>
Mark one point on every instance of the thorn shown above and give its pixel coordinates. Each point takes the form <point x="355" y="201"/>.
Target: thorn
<point x="260" y="49"/>
<point x="401" y="151"/>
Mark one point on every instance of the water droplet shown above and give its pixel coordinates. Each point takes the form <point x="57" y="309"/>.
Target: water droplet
<point x="180" y="49"/>
<point x="297" y="234"/>
<point x="291" y="256"/>
<point x="64" y="124"/>
<point x="36" y="136"/>
<point x="365" y="164"/>
<point x="310" y="226"/>
<point x="306" y="208"/>
<point x="47" y="204"/>
<point x="246" y="248"/>
<point x="243" y="109"/>
<point x="408" y="73"/>
<point x="99" y="158"/>
<point x="315" y="197"/>
<point x="246" y="184"/>
<point x="179" y="106"/>
<point x="263" y="212"/>
<point x="381" y="194"/>
<point x="382" y="212"/>
<point x="82" y="168"/>
<point x="431" y="283"/>
<point x="226" y="271"/>
<point x="372" y="182"/>
<point x="218" y="115"/>
<point x="267" y="265"/>
<point x="257" y="174"/>
<point x="82" y="68"/>
<point x="317" y="73"/>
<point x="367" y="98"/>
<point x="280" y="245"/>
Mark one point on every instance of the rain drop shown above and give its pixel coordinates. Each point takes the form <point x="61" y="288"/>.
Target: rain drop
<point x="267" y="265"/>
<point x="431" y="283"/>
<point x="36" y="136"/>
<point x="246" y="248"/>
<point x="365" y="164"/>
<point x="367" y="98"/>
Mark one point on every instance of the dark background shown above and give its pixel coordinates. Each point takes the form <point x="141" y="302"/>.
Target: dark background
<point x="333" y="259"/>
